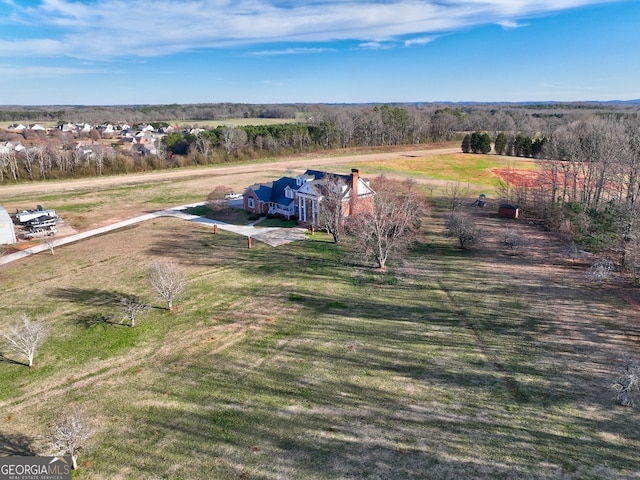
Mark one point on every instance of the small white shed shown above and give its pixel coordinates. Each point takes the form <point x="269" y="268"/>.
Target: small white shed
<point x="7" y="232"/>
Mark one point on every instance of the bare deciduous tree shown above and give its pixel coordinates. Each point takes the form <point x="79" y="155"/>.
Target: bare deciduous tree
<point x="203" y="145"/>
<point x="233" y="139"/>
<point x="626" y="387"/>
<point x="131" y="308"/>
<point x="332" y="189"/>
<point x="24" y="338"/>
<point x="392" y="222"/>
<point x="514" y="241"/>
<point x="70" y="434"/>
<point x="455" y="193"/>
<point x="573" y="251"/>
<point x="50" y="242"/>
<point x="600" y="270"/>
<point x="217" y="195"/>
<point x="168" y="281"/>
<point x="464" y="229"/>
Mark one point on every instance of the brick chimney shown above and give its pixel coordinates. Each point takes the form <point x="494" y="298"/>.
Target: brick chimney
<point x="355" y="176"/>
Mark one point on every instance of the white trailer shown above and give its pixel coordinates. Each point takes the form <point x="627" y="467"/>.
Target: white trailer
<point x="26" y="216"/>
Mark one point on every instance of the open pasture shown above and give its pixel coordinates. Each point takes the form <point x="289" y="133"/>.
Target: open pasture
<point x="304" y="362"/>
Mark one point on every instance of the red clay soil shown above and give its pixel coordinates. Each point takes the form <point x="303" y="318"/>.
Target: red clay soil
<point x="518" y="178"/>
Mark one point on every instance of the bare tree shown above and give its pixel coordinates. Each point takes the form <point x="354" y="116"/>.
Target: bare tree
<point x="24" y="338"/>
<point x="203" y="145"/>
<point x="626" y="387"/>
<point x="233" y="139"/>
<point x="70" y="434"/>
<point x="464" y="229"/>
<point x="514" y="241"/>
<point x="50" y="242"/>
<point x="168" y="281"/>
<point x="392" y="222"/>
<point x="600" y="270"/>
<point x="216" y="197"/>
<point x="573" y="251"/>
<point x="332" y="190"/>
<point x="455" y="193"/>
<point x="131" y="308"/>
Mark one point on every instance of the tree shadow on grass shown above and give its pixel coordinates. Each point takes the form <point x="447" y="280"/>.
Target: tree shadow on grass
<point x="16" y="445"/>
<point x="91" y="319"/>
<point x="91" y="297"/>
<point x="4" y="359"/>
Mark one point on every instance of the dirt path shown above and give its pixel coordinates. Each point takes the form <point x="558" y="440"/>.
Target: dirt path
<point x="302" y="162"/>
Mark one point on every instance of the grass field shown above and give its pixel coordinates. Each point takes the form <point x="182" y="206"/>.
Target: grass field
<point x="478" y="170"/>
<point x="304" y="362"/>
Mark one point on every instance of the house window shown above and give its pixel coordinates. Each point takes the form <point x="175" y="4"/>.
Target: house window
<point x="250" y="203"/>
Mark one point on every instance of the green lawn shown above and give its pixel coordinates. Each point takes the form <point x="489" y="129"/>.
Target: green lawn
<point x="477" y="170"/>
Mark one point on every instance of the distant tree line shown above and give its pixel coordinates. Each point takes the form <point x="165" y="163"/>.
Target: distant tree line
<point x="515" y="130"/>
<point x="146" y="113"/>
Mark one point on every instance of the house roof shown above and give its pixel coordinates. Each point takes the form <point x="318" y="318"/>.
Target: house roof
<point x="274" y="192"/>
<point x="278" y="191"/>
<point x="319" y="175"/>
<point x="262" y="191"/>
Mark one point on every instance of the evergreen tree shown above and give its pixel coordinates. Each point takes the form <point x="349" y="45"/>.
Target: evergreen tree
<point x="485" y="143"/>
<point x="500" y="143"/>
<point x="466" y="143"/>
<point x="476" y="142"/>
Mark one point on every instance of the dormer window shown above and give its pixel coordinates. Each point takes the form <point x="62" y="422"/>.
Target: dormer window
<point x="288" y="192"/>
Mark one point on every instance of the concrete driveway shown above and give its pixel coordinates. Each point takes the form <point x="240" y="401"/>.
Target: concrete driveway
<point x="272" y="236"/>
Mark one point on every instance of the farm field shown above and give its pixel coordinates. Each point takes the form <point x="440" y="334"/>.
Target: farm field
<point x="304" y="362"/>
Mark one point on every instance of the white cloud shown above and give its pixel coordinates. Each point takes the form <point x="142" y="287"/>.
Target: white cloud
<point x="418" y="41"/>
<point x="35" y="72"/>
<point x="31" y="47"/>
<point x="375" y="45"/>
<point x="292" y="51"/>
<point x="510" y="24"/>
<point x="107" y="29"/>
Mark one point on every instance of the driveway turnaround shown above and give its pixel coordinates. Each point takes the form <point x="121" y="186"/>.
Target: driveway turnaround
<point x="272" y="236"/>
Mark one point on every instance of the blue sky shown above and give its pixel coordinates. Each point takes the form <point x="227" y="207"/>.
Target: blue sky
<point x="118" y="52"/>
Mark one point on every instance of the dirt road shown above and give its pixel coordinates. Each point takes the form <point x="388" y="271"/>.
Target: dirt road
<point x="301" y="162"/>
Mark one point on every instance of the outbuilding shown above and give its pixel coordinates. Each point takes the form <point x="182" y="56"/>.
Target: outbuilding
<point x="7" y="232"/>
<point x="508" y="211"/>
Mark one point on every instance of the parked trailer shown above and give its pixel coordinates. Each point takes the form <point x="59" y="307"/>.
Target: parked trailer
<point x="43" y="222"/>
<point x="26" y="216"/>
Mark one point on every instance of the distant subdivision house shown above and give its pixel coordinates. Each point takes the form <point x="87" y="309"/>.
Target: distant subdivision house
<point x="300" y="197"/>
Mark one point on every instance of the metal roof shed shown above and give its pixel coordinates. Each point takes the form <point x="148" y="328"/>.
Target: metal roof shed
<point x="7" y="232"/>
